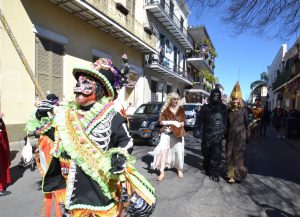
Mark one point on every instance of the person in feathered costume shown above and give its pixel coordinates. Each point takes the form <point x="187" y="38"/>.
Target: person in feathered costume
<point x="5" y="178"/>
<point x="237" y="137"/>
<point x="90" y="157"/>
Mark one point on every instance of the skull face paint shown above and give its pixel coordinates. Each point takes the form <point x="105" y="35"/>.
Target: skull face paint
<point x="85" y="85"/>
<point x="85" y="91"/>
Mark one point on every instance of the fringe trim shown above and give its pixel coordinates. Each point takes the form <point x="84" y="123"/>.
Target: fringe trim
<point x="113" y="212"/>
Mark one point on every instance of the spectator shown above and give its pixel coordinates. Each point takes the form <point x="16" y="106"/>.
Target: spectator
<point x="277" y="117"/>
<point x="4" y="159"/>
<point x="265" y="121"/>
<point x="170" y="150"/>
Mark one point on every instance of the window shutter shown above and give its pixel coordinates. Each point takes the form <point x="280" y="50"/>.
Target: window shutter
<point x="57" y="69"/>
<point x="49" y="66"/>
<point x="42" y="63"/>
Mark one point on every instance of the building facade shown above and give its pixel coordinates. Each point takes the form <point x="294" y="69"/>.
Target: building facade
<point x="166" y="70"/>
<point x="274" y="70"/>
<point x="55" y="36"/>
<point x="287" y="84"/>
<point x="200" y="64"/>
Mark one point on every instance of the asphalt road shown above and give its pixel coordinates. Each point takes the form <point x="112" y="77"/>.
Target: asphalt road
<point x="272" y="187"/>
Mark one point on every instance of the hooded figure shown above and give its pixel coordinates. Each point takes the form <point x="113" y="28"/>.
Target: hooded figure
<point x="237" y="137"/>
<point x="91" y="160"/>
<point x="212" y="118"/>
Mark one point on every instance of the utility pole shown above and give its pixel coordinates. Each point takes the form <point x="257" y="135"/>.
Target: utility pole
<point x="39" y="91"/>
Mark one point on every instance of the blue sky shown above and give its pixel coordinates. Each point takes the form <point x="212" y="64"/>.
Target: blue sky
<point x="247" y="53"/>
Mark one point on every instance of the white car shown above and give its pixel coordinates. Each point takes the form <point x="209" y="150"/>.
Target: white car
<point x="190" y="110"/>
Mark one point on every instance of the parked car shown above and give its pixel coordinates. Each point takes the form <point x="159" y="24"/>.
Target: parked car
<point x="190" y="110"/>
<point x="143" y="124"/>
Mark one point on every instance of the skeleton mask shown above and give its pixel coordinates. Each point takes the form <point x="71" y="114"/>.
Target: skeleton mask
<point x="85" y="85"/>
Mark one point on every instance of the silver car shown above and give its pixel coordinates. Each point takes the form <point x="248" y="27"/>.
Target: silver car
<point x="190" y="110"/>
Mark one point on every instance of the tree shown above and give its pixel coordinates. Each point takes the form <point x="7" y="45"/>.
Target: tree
<point x="257" y="85"/>
<point x="271" y="17"/>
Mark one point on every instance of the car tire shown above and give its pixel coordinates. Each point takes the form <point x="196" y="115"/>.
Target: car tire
<point x="155" y="138"/>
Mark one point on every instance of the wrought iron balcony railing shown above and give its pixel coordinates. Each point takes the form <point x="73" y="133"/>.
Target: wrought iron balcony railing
<point x="288" y="74"/>
<point x="169" y="11"/>
<point x="108" y="7"/>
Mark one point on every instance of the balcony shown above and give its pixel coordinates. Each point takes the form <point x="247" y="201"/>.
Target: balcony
<point x="166" y="67"/>
<point x="287" y="77"/>
<point x="108" y="16"/>
<point x="201" y="59"/>
<point x="165" y="14"/>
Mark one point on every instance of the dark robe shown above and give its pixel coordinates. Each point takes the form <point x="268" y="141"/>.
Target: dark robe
<point x="236" y="144"/>
<point x="4" y="157"/>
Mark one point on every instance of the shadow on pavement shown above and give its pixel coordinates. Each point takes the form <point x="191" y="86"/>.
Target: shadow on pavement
<point x="193" y="160"/>
<point x="13" y="154"/>
<point x="273" y="211"/>
<point x="267" y="156"/>
<point x="16" y="173"/>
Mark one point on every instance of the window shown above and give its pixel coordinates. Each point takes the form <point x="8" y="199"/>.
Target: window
<point x="171" y="9"/>
<point x="169" y="89"/>
<point x="181" y="23"/>
<point x="153" y="86"/>
<point x="49" y="65"/>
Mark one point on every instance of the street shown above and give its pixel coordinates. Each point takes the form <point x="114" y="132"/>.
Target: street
<point x="272" y="187"/>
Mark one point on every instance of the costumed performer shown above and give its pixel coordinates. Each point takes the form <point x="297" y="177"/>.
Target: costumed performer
<point x="170" y="150"/>
<point x="237" y="137"/>
<point x="212" y="119"/>
<point x="90" y="154"/>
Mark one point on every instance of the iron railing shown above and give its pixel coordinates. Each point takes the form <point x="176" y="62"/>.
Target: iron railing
<point x="108" y="7"/>
<point x="170" y="13"/>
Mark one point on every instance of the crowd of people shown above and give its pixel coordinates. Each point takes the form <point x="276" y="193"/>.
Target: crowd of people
<point x="85" y="148"/>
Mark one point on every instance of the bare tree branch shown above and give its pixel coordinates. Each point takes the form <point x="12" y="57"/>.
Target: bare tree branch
<point x="275" y="18"/>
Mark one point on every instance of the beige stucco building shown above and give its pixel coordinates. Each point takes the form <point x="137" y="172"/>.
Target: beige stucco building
<point x="56" y="36"/>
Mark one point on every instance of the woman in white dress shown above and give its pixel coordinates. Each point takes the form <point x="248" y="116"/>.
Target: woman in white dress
<point x="170" y="150"/>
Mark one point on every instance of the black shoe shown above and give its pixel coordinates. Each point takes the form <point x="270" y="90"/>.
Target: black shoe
<point x="4" y="192"/>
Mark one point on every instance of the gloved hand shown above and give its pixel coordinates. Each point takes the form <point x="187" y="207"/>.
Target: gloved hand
<point x="118" y="163"/>
<point x="44" y="109"/>
<point x="139" y="207"/>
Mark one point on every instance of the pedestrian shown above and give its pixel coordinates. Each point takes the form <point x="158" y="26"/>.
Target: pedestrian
<point x="130" y="109"/>
<point x="5" y="178"/>
<point x="265" y="121"/>
<point x="45" y="135"/>
<point x="237" y="137"/>
<point x="277" y="119"/>
<point x="212" y="119"/>
<point x="170" y="150"/>
<point x="91" y="160"/>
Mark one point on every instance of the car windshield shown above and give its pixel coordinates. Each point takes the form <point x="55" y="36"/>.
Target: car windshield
<point x="190" y="107"/>
<point x="148" y="109"/>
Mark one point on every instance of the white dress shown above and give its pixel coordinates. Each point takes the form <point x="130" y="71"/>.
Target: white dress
<point x="169" y="152"/>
